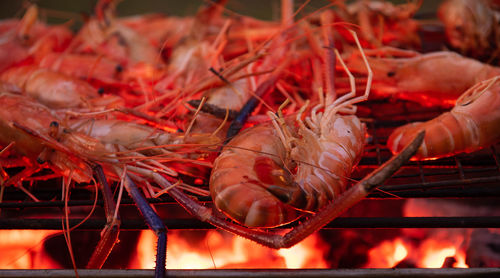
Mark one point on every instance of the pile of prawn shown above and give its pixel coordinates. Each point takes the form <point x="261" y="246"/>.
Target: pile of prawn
<point x="150" y="99"/>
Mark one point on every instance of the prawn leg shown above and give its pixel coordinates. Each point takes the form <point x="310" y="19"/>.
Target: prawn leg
<point x="315" y="222"/>
<point x="154" y="222"/>
<point x="252" y="103"/>
<point x="109" y="235"/>
<point x="329" y="60"/>
<point x="19" y="177"/>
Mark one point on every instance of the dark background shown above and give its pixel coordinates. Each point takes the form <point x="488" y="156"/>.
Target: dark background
<point x="58" y="11"/>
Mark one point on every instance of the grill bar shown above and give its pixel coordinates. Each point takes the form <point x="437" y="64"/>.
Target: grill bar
<point x="444" y="183"/>
<point x="257" y="273"/>
<point x="470" y="187"/>
<point x="342" y="222"/>
<point x="472" y="192"/>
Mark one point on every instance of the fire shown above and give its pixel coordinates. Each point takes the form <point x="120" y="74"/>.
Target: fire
<point x="22" y="249"/>
<point x="304" y="255"/>
<point x="436" y="245"/>
<point x="460" y="257"/>
<point x="434" y="254"/>
<point x="431" y="253"/>
<point x="218" y="249"/>
<point x="387" y="254"/>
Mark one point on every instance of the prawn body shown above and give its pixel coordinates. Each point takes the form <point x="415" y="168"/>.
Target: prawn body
<point x="280" y="178"/>
<point x="471" y="27"/>
<point x="471" y="125"/>
<point x="57" y="90"/>
<point x="51" y="88"/>
<point x="384" y="23"/>
<point x="239" y="189"/>
<point x="107" y="36"/>
<point x="86" y="67"/>
<point x="33" y="127"/>
<point x="29" y="39"/>
<point x="267" y="175"/>
<point x="437" y="78"/>
<point x="147" y="140"/>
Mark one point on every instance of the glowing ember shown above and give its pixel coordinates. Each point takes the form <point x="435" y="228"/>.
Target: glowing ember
<point x="387" y="254"/>
<point x="22" y="249"/>
<point x="434" y="253"/>
<point x="460" y="257"/>
<point x="305" y="255"/>
<point x="219" y="249"/>
<point x="435" y="258"/>
<point x="438" y="244"/>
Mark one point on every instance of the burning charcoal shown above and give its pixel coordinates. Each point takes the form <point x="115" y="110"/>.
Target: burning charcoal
<point x="449" y="262"/>
<point x="84" y="242"/>
<point x="484" y="249"/>
<point x="351" y="247"/>
<point x="406" y="263"/>
<point x="350" y="250"/>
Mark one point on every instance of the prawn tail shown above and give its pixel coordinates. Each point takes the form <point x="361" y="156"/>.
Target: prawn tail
<point x="255" y="196"/>
<point x="465" y="128"/>
<point x="253" y="206"/>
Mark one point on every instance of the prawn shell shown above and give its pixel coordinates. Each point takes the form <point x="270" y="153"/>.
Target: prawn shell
<point x="471" y="125"/>
<point x="326" y="160"/>
<point x="235" y="183"/>
<point x="434" y="79"/>
<point x="14" y="109"/>
<point x="81" y="66"/>
<point x="53" y="89"/>
<point x="24" y="112"/>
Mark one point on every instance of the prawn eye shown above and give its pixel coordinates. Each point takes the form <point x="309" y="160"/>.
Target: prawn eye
<point x="119" y="68"/>
<point x="391" y="74"/>
<point x="54" y="128"/>
<point x="25" y="38"/>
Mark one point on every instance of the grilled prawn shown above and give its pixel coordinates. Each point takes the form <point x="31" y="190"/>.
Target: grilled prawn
<point x="471" y="27"/>
<point x="437" y="78"/>
<point x="383" y="23"/>
<point x="18" y="114"/>
<point x="267" y="174"/>
<point x="34" y="131"/>
<point x="29" y="39"/>
<point x="472" y="124"/>
<point x="105" y="35"/>
<point x="55" y="89"/>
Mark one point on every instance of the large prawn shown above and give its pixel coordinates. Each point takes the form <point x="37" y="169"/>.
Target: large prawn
<point x="51" y="88"/>
<point x="383" y="23"/>
<point x="105" y="35"/>
<point x="437" y="78"/>
<point x="30" y="39"/>
<point x="472" y="124"/>
<point x="268" y="191"/>
<point x="471" y="27"/>
<point x="77" y="152"/>
<point x="255" y="183"/>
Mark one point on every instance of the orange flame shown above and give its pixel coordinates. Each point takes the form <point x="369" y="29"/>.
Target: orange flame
<point x="434" y="253"/>
<point x="222" y="250"/>
<point x="387" y="254"/>
<point x="22" y="249"/>
<point x="431" y="253"/>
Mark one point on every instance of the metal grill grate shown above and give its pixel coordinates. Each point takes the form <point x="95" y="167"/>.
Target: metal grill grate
<point x="466" y="176"/>
<point x="473" y="175"/>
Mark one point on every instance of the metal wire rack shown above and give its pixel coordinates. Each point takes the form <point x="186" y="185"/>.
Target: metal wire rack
<point x="466" y="176"/>
<point x="475" y="175"/>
